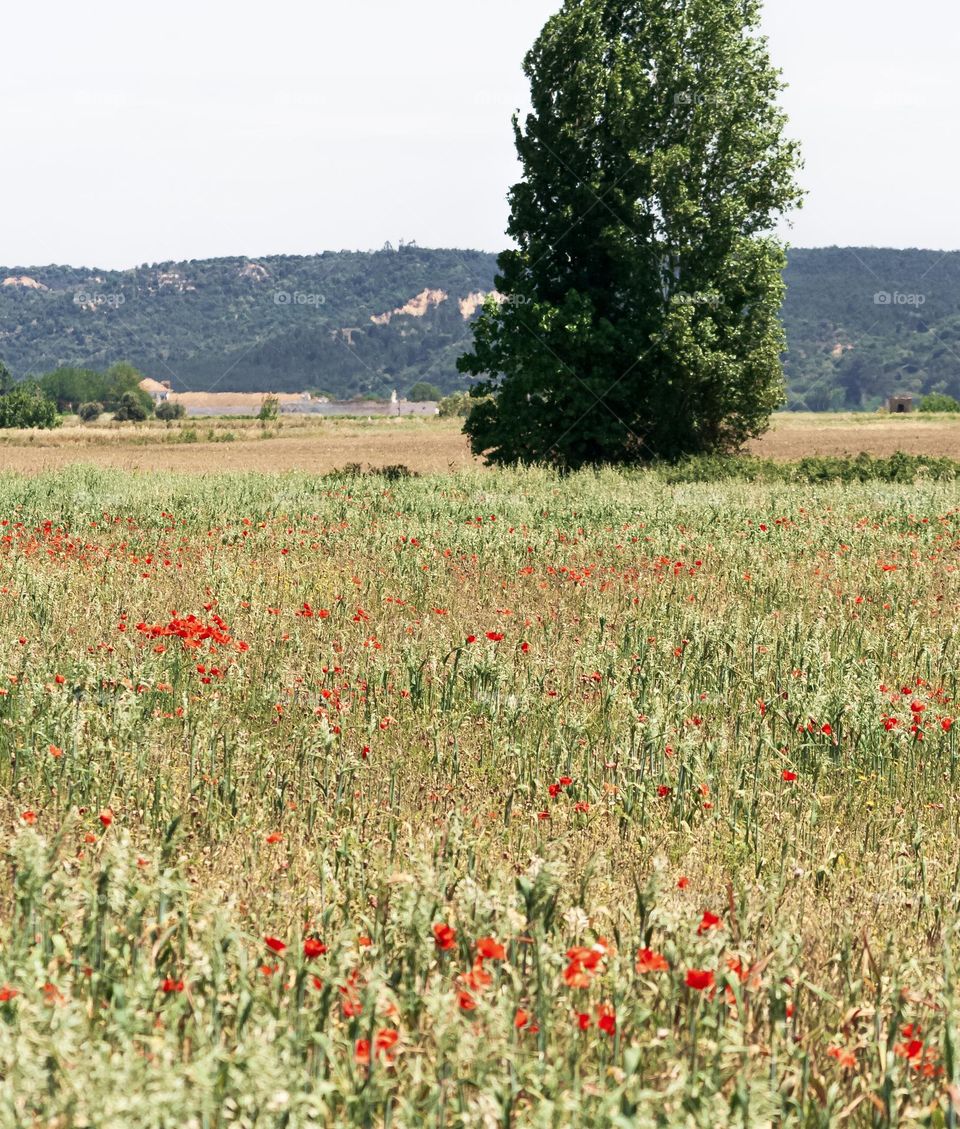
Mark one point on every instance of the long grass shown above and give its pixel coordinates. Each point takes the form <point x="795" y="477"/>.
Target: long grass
<point x="485" y="800"/>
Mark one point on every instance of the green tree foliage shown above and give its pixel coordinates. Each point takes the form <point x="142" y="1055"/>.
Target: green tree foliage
<point x="641" y="305"/>
<point x="69" y="387"/>
<point x="91" y="411"/>
<point x="6" y="379"/>
<point x="423" y="391"/>
<point x="131" y="409"/>
<point x="939" y="402"/>
<point x="456" y="404"/>
<point x="225" y="323"/>
<point x="170" y="410"/>
<point x="25" y="405"/>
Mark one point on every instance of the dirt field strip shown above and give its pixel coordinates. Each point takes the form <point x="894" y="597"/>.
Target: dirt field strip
<point x="427" y="447"/>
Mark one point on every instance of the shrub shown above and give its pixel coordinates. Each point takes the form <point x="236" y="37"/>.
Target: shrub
<point x="939" y="402"/>
<point x="269" y="409"/>
<point x="90" y="411"/>
<point x="26" y="406"/>
<point x="169" y="410"/>
<point x="423" y="391"/>
<point x="130" y="409"/>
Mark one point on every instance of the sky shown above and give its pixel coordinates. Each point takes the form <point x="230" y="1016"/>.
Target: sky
<point x="139" y="133"/>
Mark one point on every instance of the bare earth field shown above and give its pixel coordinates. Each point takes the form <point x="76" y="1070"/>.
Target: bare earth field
<point x="427" y="446"/>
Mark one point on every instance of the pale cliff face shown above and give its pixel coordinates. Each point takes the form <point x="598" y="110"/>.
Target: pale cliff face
<point x="24" y="282"/>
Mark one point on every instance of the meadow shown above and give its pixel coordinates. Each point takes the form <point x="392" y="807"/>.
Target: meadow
<point x="479" y="799"/>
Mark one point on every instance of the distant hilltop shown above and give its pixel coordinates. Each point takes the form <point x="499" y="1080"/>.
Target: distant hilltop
<point x="862" y="323"/>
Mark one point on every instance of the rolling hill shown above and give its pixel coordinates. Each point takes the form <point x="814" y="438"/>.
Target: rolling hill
<point x="861" y="322"/>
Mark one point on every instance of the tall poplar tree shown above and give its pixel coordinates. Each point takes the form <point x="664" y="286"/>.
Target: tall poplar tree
<point x="638" y="315"/>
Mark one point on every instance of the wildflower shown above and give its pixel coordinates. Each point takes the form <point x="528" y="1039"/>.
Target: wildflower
<point x="946" y="724"/>
<point x="826" y="729"/>
<point x="910" y="1050"/>
<point x="581" y="806"/>
<point x="788" y="776"/>
<point x="313" y="948"/>
<point x="699" y="979"/>
<point x="169" y="985"/>
<point x="56" y="752"/>
<point x="29" y="817"/>
<point x="274" y="944"/>
<point x="465" y="1001"/>
<point x="495" y="636"/>
<point x="663" y="791"/>
<point x="846" y="1058"/>
<point x="607" y="1019"/>
<point x="477" y="977"/>
<point x="521" y="1019"/>
<point x="649" y="961"/>
<point x="708" y="922"/>
<point x="275" y="837"/>
<point x="384" y="1041"/>
<point x="554" y="790"/>
<point x="683" y="882"/>
<point x="106" y="817"/>
<point x="583" y="1021"/>
<point x="566" y="781"/>
<point x="7" y="993"/>
<point x="445" y="937"/>
<point x="489" y="949"/>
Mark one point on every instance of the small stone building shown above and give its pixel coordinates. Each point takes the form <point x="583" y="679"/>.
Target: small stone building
<point x="899" y="405"/>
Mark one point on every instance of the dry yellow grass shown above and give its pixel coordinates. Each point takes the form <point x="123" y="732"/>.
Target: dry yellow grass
<point x="428" y="446"/>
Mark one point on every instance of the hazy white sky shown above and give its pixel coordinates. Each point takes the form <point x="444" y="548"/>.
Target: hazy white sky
<point x="142" y="132"/>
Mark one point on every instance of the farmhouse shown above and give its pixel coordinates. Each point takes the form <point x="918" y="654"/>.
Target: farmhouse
<point x="159" y="389"/>
<point x="898" y="405"/>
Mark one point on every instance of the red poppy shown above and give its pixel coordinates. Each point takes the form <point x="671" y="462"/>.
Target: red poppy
<point x="946" y="724"/>
<point x="106" y="817"/>
<point x="708" y="922"/>
<point x="29" y="817"/>
<point x="683" y="882"/>
<point x="583" y="1021"/>
<point x="495" y="636"/>
<point x="846" y="1058"/>
<point x="465" y="1001"/>
<point x="788" y="776"/>
<point x="566" y="781"/>
<point x="7" y="993"/>
<point x="909" y="1050"/>
<point x="826" y="729"/>
<point x="489" y="949"/>
<point x="56" y="752"/>
<point x="663" y="791"/>
<point x="554" y="790"/>
<point x="581" y="806"/>
<point x="171" y="985"/>
<point x="445" y="937"/>
<point x="699" y="979"/>
<point x="313" y="948"/>
<point x="521" y="1019"/>
<point x="649" y="961"/>
<point x="477" y="977"/>
<point x="275" y="837"/>
<point x="275" y="944"/>
<point x="607" y="1019"/>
